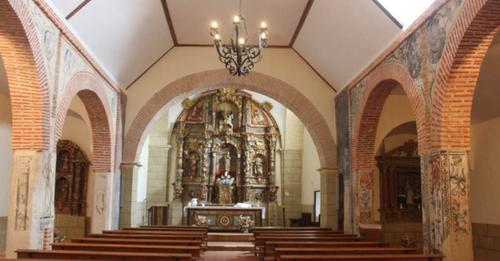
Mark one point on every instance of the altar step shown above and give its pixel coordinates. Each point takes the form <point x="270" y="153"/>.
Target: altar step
<point x="230" y="237"/>
<point x="230" y="246"/>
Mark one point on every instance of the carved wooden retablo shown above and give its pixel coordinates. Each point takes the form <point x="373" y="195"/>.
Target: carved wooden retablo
<point x="72" y="169"/>
<point x="226" y="145"/>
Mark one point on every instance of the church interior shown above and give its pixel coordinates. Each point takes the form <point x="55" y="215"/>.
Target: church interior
<point x="249" y="129"/>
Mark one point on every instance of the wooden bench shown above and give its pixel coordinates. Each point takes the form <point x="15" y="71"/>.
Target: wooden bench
<point x="155" y="232"/>
<point x="342" y="251"/>
<point x="69" y="254"/>
<point x="150" y="236"/>
<point x="269" y="247"/>
<point x="167" y="228"/>
<point x="406" y="257"/>
<point x="193" y="250"/>
<point x="129" y="240"/>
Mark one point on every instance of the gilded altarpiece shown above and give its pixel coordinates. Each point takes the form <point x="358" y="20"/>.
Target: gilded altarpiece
<point x="226" y="145"/>
<point x="72" y="169"/>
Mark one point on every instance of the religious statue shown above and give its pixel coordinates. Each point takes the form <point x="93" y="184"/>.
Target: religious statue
<point x="258" y="168"/>
<point x="228" y="119"/>
<point x="193" y="166"/>
<point x="227" y="163"/>
<point x="225" y="186"/>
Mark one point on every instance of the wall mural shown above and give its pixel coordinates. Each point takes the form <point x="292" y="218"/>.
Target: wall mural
<point x="72" y="170"/>
<point x="226" y="146"/>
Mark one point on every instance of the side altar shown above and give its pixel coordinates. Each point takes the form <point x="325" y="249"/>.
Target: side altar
<point x="223" y="218"/>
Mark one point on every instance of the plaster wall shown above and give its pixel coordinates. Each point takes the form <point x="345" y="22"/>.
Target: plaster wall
<point x="310" y="174"/>
<point x="283" y="64"/>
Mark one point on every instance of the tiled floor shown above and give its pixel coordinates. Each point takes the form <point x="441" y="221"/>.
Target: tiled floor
<point x="228" y="256"/>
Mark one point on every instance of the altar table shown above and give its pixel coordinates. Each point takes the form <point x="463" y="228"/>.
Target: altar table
<point x="224" y="218"/>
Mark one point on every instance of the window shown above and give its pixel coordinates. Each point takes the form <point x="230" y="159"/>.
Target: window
<point x="405" y="11"/>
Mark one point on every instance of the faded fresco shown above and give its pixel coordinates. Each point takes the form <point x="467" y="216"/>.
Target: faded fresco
<point x="444" y="177"/>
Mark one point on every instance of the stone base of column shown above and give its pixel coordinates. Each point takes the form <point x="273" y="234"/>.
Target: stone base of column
<point x="31" y="205"/>
<point x="329" y="197"/>
<point x="175" y="213"/>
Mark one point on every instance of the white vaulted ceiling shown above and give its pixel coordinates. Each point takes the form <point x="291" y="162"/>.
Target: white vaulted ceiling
<point x="338" y="38"/>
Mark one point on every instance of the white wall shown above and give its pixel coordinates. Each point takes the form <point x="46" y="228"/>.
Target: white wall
<point x="283" y="64"/>
<point x="310" y="173"/>
<point x="5" y="152"/>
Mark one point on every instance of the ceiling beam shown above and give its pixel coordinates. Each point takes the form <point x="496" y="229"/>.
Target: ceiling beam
<point x="77" y="9"/>
<point x="314" y="70"/>
<point x="169" y="22"/>
<point x="307" y="8"/>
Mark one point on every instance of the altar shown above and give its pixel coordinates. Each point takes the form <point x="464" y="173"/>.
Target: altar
<point x="223" y="218"/>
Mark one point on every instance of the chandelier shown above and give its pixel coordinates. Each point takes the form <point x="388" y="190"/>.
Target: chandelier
<point x="239" y="56"/>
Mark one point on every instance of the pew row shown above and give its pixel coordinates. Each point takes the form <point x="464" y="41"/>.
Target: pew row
<point x="399" y="257"/>
<point x="69" y="254"/>
<point x="135" y="241"/>
<point x="270" y="246"/>
<point x="193" y="250"/>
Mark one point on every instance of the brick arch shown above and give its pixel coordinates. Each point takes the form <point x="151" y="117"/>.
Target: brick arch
<point x="380" y="84"/>
<point x="458" y="72"/>
<point x="213" y="79"/>
<point x="21" y="52"/>
<point x="91" y="91"/>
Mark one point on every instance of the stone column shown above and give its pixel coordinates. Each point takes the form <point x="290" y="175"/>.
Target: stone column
<point x="101" y="218"/>
<point x="292" y="183"/>
<point x="129" y="217"/>
<point x="31" y="204"/>
<point x="157" y="187"/>
<point x="329" y="197"/>
<point x="446" y="215"/>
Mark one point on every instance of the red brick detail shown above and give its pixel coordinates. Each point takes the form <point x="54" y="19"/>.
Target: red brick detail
<point x="458" y="72"/>
<point x="380" y="84"/>
<point x="258" y="82"/>
<point x="23" y="61"/>
<point x="91" y="91"/>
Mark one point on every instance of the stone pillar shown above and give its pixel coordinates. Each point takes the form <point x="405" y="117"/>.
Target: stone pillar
<point x="175" y="213"/>
<point x="31" y="205"/>
<point x="101" y="218"/>
<point x="348" y="212"/>
<point x="157" y="187"/>
<point x="329" y="197"/>
<point x="128" y="216"/>
<point x="446" y="216"/>
<point x="291" y="180"/>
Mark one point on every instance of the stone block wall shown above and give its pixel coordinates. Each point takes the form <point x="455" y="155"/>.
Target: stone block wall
<point x="486" y="242"/>
<point x="3" y="234"/>
<point x="69" y="226"/>
<point x="292" y="184"/>
<point x="157" y="176"/>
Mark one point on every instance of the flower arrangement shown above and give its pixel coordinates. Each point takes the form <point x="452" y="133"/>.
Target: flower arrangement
<point x="246" y="223"/>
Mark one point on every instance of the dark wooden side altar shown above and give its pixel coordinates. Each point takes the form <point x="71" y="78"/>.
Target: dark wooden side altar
<point x="401" y="198"/>
<point x="226" y="145"/>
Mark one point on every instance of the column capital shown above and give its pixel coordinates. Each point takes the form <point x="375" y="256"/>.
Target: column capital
<point x="130" y="164"/>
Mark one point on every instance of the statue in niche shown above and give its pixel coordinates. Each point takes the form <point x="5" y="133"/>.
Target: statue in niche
<point x="258" y="168"/>
<point x="225" y="188"/>
<point x="257" y="117"/>
<point x="227" y="163"/>
<point x="226" y="123"/>
<point x="61" y="193"/>
<point x="193" y="166"/>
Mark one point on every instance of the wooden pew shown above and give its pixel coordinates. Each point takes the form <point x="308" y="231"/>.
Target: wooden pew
<point x="167" y="228"/>
<point x="271" y="245"/>
<point x="399" y="257"/>
<point x="130" y="240"/>
<point x="342" y="251"/>
<point x="69" y="254"/>
<point x="193" y="250"/>
<point x="150" y="236"/>
<point x="153" y="232"/>
<point x="260" y="240"/>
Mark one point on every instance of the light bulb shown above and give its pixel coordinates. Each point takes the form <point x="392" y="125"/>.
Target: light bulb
<point x="263" y="35"/>
<point x="214" y="25"/>
<point x="217" y="37"/>
<point x="263" y="25"/>
<point x="236" y="19"/>
<point x="241" y="41"/>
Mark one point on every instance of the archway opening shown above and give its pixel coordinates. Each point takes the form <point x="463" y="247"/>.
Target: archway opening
<point x="485" y="142"/>
<point x="74" y="201"/>
<point x="5" y="154"/>
<point x="173" y="153"/>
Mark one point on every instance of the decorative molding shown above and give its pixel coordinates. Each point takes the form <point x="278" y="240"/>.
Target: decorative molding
<point x="169" y="21"/>
<point x="307" y="8"/>
<point x="77" y="9"/>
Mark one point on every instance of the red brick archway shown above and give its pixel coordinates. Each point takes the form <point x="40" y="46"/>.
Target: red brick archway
<point x="380" y="84"/>
<point x="91" y="91"/>
<point x="258" y="82"/>
<point x="458" y="72"/>
<point x="23" y="60"/>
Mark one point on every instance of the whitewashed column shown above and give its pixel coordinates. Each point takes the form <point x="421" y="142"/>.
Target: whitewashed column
<point x="129" y="217"/>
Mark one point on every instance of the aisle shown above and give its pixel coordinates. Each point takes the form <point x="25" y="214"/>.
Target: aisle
<point x="212" y="255"/>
